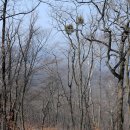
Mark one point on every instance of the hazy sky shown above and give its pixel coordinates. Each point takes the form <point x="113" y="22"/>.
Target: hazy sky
<point x="44" y="18"/>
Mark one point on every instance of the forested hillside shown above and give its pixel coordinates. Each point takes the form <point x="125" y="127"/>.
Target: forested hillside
<point x="65" y="65"/>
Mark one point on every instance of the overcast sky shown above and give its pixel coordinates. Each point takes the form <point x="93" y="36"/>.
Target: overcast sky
<point x="44" y="18"/>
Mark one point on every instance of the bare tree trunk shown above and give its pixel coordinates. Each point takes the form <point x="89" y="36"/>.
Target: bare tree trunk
<point x="71" y="109"/>
<point x="120" y="116"/>
<point x="120" y="96"/>
<point x="4" y="93"/>
<point x="127" y="85"/>
<point x="100" y="88"/>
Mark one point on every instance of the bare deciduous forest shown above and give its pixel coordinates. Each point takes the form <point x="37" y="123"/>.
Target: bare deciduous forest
<point x="74" y="75"/>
